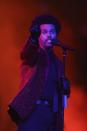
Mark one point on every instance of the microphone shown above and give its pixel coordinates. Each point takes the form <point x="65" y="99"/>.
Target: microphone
<point x="65" y="48"/>
<point x="57" y="42"/>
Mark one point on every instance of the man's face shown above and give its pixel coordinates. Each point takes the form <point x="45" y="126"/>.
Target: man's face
<point x="48" y="33"/>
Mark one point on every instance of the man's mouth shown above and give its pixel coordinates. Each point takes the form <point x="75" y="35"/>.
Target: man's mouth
<point x="49" y="41"/>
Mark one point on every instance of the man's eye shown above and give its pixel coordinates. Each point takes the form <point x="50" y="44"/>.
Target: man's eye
<point x="44" y="32"/>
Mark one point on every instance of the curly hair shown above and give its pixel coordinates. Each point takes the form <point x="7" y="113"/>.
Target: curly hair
<point x="35" y="29"/>
<point x="43" y="19"/>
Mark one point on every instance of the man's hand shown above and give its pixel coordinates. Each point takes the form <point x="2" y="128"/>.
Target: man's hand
<point x="64" y="86"/>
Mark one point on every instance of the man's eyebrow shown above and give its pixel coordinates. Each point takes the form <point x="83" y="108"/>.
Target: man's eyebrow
<point x="44" y="29"/>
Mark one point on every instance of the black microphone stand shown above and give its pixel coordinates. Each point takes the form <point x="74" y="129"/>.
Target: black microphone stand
<point x="60" y="91"/>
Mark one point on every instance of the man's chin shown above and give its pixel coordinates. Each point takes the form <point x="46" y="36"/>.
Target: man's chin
<point x="48" y="46"/>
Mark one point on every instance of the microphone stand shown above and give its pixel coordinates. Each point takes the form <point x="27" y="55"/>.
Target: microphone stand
<point x="62" y="97"/>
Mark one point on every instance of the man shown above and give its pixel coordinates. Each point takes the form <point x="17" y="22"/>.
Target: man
<point x="41" y="73"/>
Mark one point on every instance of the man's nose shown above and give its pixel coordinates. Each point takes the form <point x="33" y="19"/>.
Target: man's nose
<point x="49" y="35"/>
